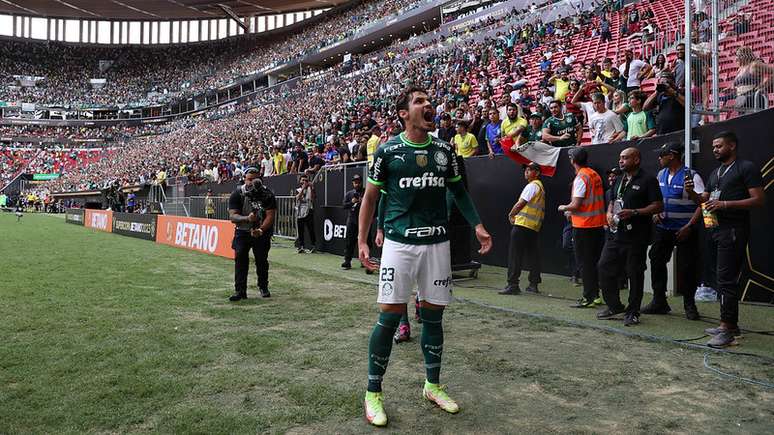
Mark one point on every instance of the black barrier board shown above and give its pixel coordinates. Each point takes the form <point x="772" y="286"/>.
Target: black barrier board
<point x="142" y="226"/>
<point x="74" y="216"/>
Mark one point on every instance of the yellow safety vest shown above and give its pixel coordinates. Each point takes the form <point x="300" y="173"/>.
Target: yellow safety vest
<point x="531" y="215"/>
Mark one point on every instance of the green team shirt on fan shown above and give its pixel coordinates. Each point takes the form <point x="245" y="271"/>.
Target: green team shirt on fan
<point x="414" y="177"/>
<point x="558" y="127"/>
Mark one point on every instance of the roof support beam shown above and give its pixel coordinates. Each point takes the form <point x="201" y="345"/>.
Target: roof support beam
<point x="233" y="16"/>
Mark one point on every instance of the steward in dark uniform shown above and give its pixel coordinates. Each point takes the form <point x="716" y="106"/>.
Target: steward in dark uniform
<point x="252" y="208"/>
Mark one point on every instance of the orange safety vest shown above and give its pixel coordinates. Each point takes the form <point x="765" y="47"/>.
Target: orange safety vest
<point x="591" y="213"/>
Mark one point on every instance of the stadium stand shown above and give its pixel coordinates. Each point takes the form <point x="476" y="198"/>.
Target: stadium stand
<point x="148" y="75"/>
<point x="461" y="70"/>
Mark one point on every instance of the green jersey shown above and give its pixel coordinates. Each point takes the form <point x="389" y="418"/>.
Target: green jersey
<point x="413" y="177"/>
<point x="532" y="134"/>
<point x="558" y="127"/>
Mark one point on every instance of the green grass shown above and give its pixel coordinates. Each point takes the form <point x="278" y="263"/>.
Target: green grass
<point x="108" y="334"/>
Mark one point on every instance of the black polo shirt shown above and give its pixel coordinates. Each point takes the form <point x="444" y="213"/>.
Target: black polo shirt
<point x="260" y="201"/>
<point x="637" y="193"/>
<point x="734" y="182"/>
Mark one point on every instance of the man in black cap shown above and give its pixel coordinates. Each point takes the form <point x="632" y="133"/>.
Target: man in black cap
<point x="675" y="227"/>
<point x="352" y="203"/>
<point x="526" y="216"/>
<point x="534" y="131"/>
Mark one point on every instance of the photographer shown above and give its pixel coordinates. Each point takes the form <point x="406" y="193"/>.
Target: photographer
<point x="251" y="208"/>
<point x="304" y="214"/>
<point x="670" y="103"/>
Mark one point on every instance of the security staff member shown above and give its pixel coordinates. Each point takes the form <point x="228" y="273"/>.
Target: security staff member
<point x="527" y="218"/>
<point x="251" y="208"/>
<point x="352" y="203"/>
<point x="732" y="190"/>
<point x="209" y="205"/>
<point x="637" y="198"/>
<point x="587" y="214"/>
<point x="675" y="227"/>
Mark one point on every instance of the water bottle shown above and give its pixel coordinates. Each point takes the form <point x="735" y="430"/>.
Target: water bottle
<point x="706" y="294"/>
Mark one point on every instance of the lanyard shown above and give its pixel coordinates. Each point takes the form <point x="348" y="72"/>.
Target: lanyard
<point x="726" y="171"/>
<point x="622" y="187"/>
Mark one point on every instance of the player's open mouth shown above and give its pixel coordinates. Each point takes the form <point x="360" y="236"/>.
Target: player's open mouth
<point x="428" y="115"/>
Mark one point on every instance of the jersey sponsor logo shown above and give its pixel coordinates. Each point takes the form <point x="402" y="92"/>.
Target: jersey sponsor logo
<point x="421" y="160"/>
<point x="441" y="159"/>
<point x="420" y="232"/>
<point x="376" y="168"/>
<point x="446" y="282"/>
<point x="428" y="179"/>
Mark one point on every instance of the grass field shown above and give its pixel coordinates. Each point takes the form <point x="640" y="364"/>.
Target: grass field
<point x="108" y="334"/>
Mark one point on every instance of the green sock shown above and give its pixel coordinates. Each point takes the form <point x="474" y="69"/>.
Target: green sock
<point x="432" y="342"/>
<point x="379" y="348"/>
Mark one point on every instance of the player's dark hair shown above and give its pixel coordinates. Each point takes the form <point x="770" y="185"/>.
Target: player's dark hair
<point x="403" y="100"/>
<point x="728" y="136"/>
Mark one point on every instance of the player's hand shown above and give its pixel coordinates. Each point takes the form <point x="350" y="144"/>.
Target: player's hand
<point x="252" y="217"/>
<point x="484" y="239"/>
<point x="683" y="233"/>
<point x="379" y="240"/>
<point x="364" y="254"/>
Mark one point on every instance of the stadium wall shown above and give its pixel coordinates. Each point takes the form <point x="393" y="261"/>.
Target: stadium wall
<point x="494" y="186"/>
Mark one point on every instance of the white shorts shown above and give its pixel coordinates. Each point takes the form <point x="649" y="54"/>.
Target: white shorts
<point x="424" y="267"/>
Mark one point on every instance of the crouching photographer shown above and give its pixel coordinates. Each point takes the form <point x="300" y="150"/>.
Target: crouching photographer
<point x="252" y="208"/>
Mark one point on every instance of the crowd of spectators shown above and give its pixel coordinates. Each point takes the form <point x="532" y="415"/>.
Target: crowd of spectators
<point x="146" y="75"/>
<point x="484" y="89"/>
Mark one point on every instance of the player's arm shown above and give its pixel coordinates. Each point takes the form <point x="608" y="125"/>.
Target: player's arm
<point x="465" y="204"/>
<point x="380" y="210"/>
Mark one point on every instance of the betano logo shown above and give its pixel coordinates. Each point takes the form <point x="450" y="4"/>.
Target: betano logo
<point x="428" y="179"/>
<point x="99" y="221"/>
<point x="196" y="236"/>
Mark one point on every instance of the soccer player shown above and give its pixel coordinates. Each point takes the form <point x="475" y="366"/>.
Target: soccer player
<point x="414" y="170"/>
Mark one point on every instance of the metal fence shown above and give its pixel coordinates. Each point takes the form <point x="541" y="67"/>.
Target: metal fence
<point x="731" y="53"/>
<point x="285" y="220"/>
<point x="216" y="207"/>
<point x="348" y="170"/>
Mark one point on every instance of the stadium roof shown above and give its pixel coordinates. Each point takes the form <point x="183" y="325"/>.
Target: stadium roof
<point x="157" y="9"/>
